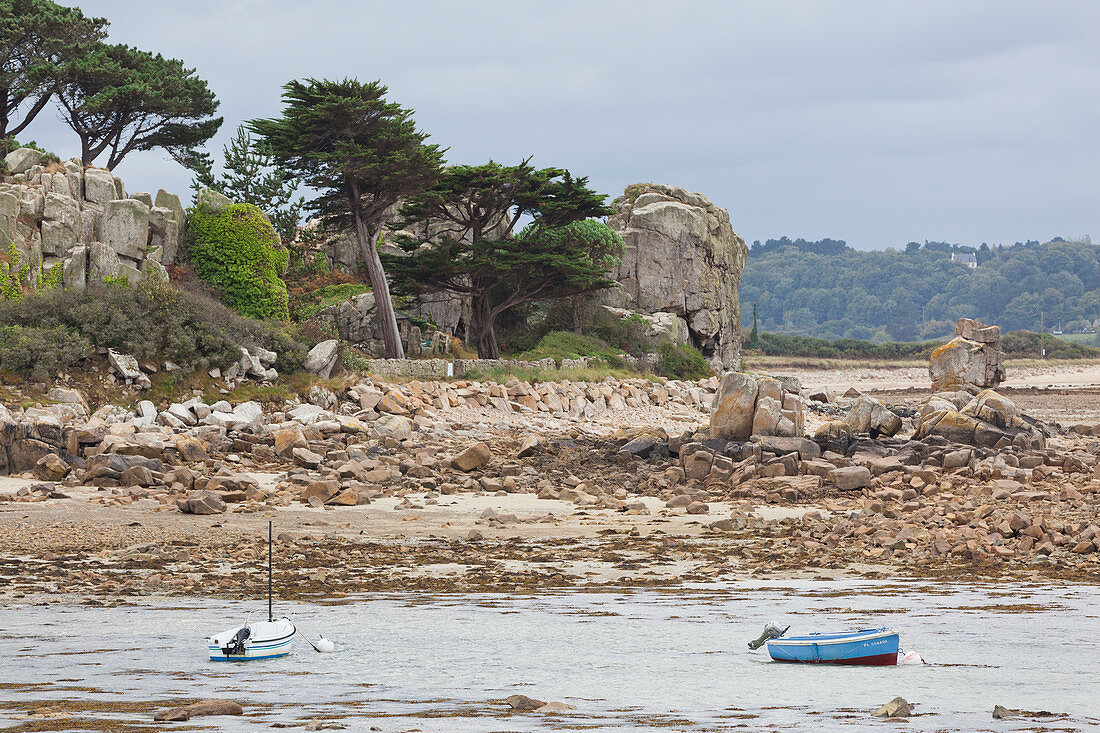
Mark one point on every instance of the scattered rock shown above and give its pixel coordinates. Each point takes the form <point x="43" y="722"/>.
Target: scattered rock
<point x="896" y="708"/>
<point x="524" y="704"/>
<point x="476" y="456"/>
<point x="202" y="502"/>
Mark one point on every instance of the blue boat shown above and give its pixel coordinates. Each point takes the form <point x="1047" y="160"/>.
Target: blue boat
<point x="865" y="646"/>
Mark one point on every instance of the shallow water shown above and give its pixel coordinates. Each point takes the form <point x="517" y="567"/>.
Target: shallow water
<point x="648" y="660"/>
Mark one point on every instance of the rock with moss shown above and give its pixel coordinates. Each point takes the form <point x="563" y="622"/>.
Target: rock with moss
<point x="682" y="256"/>
<point x="238" y="253"/>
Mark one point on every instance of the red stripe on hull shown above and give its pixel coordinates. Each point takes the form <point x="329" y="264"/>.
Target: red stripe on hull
<point x="875" y="660"/>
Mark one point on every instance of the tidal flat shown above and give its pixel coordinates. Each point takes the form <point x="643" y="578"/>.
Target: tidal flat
<point x="649" y="659"/>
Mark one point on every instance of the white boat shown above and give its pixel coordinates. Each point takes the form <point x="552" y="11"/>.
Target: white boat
<point x="259" y="640"/>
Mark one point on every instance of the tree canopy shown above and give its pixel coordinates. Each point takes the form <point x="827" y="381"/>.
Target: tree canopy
<point x="466" y="243"/>
<point x="919" y="293"/>
<point x="362" y="154"/>
<point x="37" y="39"/>
<point x="120" y="99"/>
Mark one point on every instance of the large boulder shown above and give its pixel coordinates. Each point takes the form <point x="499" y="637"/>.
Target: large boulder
<point x="987" y="420"/>
<point x="22" y="160"/>
<point x="171" y="202"/>
<point x="734" y="407"/>
<point x="868" y="415"/>
<point x="322" y="358"/>
<point x="747" y="406"/>
<point x="9" y="214"/>
<point x="972" y="359"/>
<point x="212" y="200"/>
<point x="163" y="235"/>
<point x="126" y="227"/>
<point x="993" y="408"/>
<point x="201" y="502"/>
<point x="355" y="319"/>
<point x="103" y="262"/>
<point x="948" y="424"/>
<point x="61" y="226"/>
<point x="99" y="186"/>
<point x="682" y="256"/>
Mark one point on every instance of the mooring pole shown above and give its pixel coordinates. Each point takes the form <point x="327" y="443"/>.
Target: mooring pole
<point x="269" y="616"/>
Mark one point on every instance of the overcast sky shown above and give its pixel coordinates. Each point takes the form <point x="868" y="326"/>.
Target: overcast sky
<point x="874" y="122"/>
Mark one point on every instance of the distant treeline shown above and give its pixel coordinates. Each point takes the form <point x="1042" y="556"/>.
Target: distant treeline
<point x="777" y="344"/>
<point x="1015" y="344"/>
<point x="828" y="290"/>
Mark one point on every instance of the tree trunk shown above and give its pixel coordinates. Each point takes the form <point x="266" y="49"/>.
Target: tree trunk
<point x="387" y="319"/>
<point x="576" y="303"/>
<point x="482" y="325"/>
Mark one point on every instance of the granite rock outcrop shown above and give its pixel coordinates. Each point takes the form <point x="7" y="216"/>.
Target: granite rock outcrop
<point x="682" y="257"/>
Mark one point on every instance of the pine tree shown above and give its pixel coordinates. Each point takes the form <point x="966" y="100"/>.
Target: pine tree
<point x="250" y="176"/>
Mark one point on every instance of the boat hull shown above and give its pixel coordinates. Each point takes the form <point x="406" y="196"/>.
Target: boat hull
<point x="871" y="647"/>
<point x="266" y="640"/>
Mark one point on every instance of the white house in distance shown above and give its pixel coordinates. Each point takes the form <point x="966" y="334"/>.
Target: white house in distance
<point x="970" y="259"/>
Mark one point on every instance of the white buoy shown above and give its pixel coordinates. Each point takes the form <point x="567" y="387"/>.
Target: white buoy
<point x="324" y="645"/>
<point x="912" y="657"/>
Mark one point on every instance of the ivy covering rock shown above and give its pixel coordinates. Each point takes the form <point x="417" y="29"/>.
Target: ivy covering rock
<point x="236" y="251"/>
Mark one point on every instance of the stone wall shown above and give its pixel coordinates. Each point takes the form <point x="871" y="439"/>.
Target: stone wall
<point x="682" y="257"/>
<point x="444" y="368"/>
<point x="83" y="220"/>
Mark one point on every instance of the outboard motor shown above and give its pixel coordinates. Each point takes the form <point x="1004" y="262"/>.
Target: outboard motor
<point x="236" y="644"/>
<point x="771" y="631"/>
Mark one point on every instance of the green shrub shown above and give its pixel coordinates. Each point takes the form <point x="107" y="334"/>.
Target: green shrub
<point x="151" y="322"/>
<point x="41" y="351"/>
<point x="238" y="253"/>
<point x="560" y="345"/>
<point x="682" y="362"/>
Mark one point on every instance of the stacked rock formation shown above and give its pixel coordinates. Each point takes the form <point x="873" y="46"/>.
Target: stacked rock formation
<point x="83" y="220"/>
<point x="682" y="257"/>
<point x="987" y="420"/>
<point x="972" y="359"/>
<point x="746" y="406"/>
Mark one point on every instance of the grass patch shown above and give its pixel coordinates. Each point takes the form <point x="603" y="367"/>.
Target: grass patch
<point x="1088" y="339"/>
<point x="560" y="345"/>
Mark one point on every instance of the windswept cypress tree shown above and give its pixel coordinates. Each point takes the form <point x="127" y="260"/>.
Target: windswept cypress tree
<point x="363" y="154"/>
